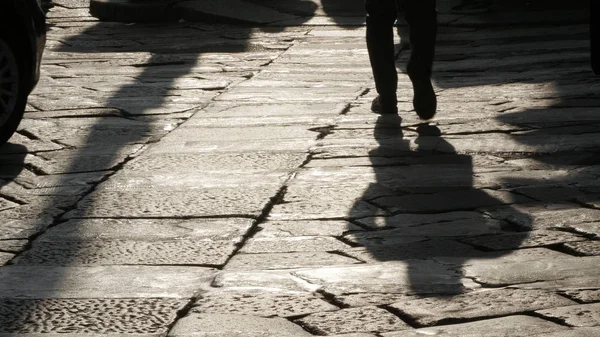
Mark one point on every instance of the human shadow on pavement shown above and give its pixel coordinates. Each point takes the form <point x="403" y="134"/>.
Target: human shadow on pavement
<point x="435" y="216"/>
<point x="545" y="95"/>
<point x="441" y="212"/>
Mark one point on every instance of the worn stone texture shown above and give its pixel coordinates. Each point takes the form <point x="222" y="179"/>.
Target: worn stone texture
<point x="149" y="229"/>
<point x="371" y="299"/>
<point x="13" y="246"/>
<point x="507" y="241"/>
<point x="364" y="319"/>
<point x="128" y="252"/>
<point x="287" y="261"/>
<point x="293" y="244"/>
<point x="199" y="129"/>
<point x="234" y="325"/>
<point x="318" y="210"/>
<point x="584" y="248"/>
<point x="406" y="277"/>
<point x="169" y="204"/>
<point x="448" y="201"/>
<point x="584" y="295"/>
<point x="248" y="162"/>
<point x="38" y="282"/>
<point x="124" y="316"/>
<point x="413" y="248"/>
<point x="305" y="228"/>
<point x="413" y="220"/>
<point x="548" y="216"/>
<point x="484" y="303"/>
<point x="585" y="315"/>
<point x="576" y="332"/>
<point x="458" y="228"/>
<point x="282" y="281"/>
<point x="498" y="327"/>
<point x="549" y="272"/>
<point x="5" y="257"/>
<point x="265" y="304"/>
<point x="355" y="335"/>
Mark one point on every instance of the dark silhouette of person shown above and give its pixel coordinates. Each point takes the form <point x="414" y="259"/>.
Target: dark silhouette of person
<point x="416" y="195"/>
<point x="595" y="35"/>
<point x="421" y="16"/>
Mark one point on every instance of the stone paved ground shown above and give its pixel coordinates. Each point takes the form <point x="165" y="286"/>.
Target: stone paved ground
<point x="208" y="180"/>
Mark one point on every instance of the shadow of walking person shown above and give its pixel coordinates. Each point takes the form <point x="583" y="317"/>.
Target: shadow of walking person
<point x="436" y="219"/>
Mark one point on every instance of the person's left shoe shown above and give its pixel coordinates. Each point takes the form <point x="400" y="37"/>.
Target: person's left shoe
<point x="385" y="105"/>
<point x="424" y="100"/>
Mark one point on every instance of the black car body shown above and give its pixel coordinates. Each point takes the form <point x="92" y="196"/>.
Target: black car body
<point x="22" y="41"/>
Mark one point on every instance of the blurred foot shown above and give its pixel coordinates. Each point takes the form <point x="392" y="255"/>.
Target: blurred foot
<point x="385" y="105"/>
<point x="424" y="100"/>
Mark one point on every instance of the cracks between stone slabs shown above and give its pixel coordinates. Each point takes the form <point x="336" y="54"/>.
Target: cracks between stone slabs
<point x="323" y="131"/>
<point x="262" y="218"/>
<point x="181" y="313"/>
<point x="28" y="135"/>
<point x="585" y="204"/>
<point x="555" y="320"/>
<point x="12" y="199"/>
<point x="57" y="220"/>
<point x="575" y="299"/>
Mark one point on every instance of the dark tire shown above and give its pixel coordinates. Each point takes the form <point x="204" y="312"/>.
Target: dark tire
<point x="14" y="92"/>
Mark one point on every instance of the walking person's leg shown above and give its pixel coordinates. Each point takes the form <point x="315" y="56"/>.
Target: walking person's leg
<point x="421" y="16"/>
<point x="595" y="35"/>
<point x="381" y="15"/>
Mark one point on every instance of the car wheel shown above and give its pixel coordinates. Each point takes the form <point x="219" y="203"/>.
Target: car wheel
<point x="12" y="97"/>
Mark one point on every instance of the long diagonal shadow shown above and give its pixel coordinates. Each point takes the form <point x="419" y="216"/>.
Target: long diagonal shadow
<point x="38" y="277"/>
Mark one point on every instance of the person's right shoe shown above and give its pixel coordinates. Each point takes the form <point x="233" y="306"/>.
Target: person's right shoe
<point x="424" y="99"/>
<point x="385" y="105"/>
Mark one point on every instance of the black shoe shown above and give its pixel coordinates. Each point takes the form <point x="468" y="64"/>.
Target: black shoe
<point x="424" y="100"/>
<point x="385" y="106"/>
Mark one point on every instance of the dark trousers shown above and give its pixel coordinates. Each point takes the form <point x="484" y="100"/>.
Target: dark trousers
<point x="421" y="16"/>
<point x="595" y="35"/>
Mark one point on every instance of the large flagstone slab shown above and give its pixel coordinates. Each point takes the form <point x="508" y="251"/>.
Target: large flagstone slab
<point x="151" y="203"/>
<point x="448" y="201"/>
<point x="294" y="260"/>
<point x="484" y="303"/>
<point x="234" y="325"/>
<point x="142" y="316"/>
<point x="238" y="163"/>
<point x="584" y="315"/>
<point x="498" y="327"/>
<point x="38" y="282"/>
<point x="407" y="277"/>
<point x="363" y="319"/>
<point x="305" y="228"/>
<point x="534" y="216"/>
<point x="553" y="272"/>
<point x="264" y="304"/>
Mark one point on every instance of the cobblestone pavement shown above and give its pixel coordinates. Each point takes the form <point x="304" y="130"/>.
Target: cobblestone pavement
<point x="205" y="180"/>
